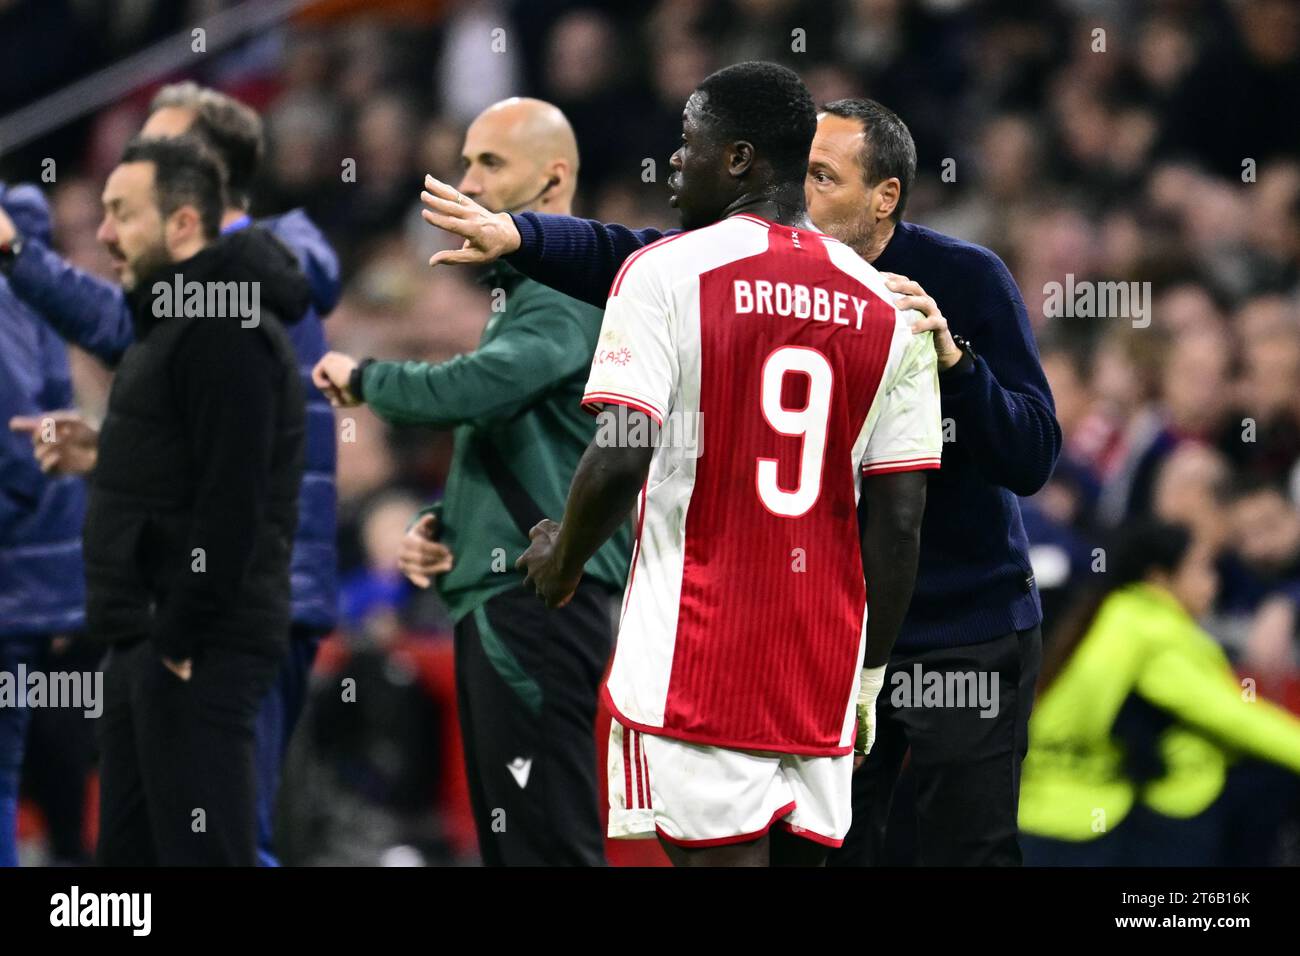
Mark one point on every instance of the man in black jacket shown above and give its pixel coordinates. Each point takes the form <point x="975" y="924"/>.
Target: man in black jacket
<point x="192" y="511"/>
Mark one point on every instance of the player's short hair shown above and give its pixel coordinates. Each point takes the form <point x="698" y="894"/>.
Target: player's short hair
<point x="768" y="105"/>
<point x="888" y="150"/>
<point x="186" y="173"/>
<point x="231" y="129"/>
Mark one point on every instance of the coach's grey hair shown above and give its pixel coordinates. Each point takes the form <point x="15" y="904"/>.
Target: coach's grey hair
<point x="231" y="129"/>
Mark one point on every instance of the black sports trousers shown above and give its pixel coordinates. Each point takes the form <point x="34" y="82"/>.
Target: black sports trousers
<point x="177" y="781"/>
<point x="966" y="766"/>
<point x="527" y="680"/>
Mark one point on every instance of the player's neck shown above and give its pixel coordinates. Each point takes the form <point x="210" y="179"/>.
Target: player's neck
<point x="784" y="206"/>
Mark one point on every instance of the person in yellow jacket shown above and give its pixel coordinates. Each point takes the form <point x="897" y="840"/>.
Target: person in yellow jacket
<point x="1140" y="719"/>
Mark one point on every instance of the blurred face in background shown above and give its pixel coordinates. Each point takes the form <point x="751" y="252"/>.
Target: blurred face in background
<point x="1069" y="388"/>
<point x="1115" y="380"/>
<point x="1195" y="382"/>
<point x="133" y="229"/>
<point x="1009" y="156"/>
<point x="1187" y="492"/>
<point x="1272" y="376"/>
<point x="1266" y="530"/>
<point x="1194" y="582"/>
<point x="580" y="56"/>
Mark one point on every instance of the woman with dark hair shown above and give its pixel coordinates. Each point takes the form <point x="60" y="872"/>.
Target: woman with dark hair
<point x="1140" y="717"/>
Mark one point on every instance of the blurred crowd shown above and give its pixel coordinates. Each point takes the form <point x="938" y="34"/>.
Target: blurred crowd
<point x="1102" y="140"/>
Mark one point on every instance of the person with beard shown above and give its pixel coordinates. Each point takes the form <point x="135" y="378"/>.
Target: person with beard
<point x="976" y="609"/>
<point x="526" y="677"/>
<point x="94" y="314"/>
<point x="192" y="511"/>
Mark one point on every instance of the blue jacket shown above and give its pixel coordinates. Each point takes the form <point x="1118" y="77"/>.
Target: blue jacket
<point x="974" y="582"/>
<point x="42" y="585"/>
<point x="94" y="314"/>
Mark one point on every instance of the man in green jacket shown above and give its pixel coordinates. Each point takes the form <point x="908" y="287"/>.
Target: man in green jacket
<point x="526" y="677"/>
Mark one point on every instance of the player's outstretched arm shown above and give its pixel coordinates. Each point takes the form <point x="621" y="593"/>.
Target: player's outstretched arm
<point x="488" y="235"/>
<point x="579" y="257"/>
<point x="83" y="309"/>
<point x="602" y="495"/>
<point x="891" y="541"/>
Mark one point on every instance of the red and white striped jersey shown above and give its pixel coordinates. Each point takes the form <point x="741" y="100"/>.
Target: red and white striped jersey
<point x="778" y="353"/>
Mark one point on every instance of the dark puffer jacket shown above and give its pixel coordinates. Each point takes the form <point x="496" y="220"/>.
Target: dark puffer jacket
<point x="193" y="501"/>
<point x="42" y="588"/>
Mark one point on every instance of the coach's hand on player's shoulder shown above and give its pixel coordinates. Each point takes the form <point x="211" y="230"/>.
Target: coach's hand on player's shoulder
<point x="488" y="235"/>
<point x="331" y="375"/>
<point x="63" y="442"/>
<point x="912" y="296"/>
<point x="421" y="558"/>
<point x="541" y="567"/>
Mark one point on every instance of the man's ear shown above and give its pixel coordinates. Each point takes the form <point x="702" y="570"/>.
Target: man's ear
<point x="183" y="224"/>
<point x="560" y="173"/>
<point x="887" y="193"/>
<point x="740" y="158"/>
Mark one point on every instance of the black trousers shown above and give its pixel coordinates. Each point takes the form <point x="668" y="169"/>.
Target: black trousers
<point x="177" y="780"/>
<point x="61" y="753"/>
<point x="966" y="766"/>
<point x="527" y="679"/>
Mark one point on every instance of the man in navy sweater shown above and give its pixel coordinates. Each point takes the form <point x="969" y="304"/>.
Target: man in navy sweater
<point x="960" y="682"/>
<point x="94" y="314"/>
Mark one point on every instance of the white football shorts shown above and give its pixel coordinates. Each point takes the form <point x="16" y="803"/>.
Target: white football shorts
<point x="700" y="796"/>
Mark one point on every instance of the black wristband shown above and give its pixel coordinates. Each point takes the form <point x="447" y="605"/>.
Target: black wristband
<point x="963" y="366"/>
<point x="965" y="363"/>
<point x="354" y="380"/>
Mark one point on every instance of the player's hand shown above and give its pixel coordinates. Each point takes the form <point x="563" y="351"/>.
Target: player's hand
<point x="7" y="228"/>
<point x="488" y="235"/>
<point x="331" y="375"/>
<point x="873" y="679"/>
<point x="63" y="442"/>
<point x="421" y="558"/>
<point x="541" y="567"/>
<point x="182" y="669"/>
<point x="914" y="297"/>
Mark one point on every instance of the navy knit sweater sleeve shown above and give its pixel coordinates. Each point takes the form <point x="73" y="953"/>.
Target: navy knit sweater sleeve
<point x="578" y="257"/>
<point x="1001" y="405"/>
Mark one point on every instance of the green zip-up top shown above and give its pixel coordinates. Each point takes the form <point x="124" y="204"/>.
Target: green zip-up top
<point x="1143" y="642"/>
<point x="521" y="390"/>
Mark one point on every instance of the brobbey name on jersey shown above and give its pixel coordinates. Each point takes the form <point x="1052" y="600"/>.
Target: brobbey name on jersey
<point x="798" y="300"/>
